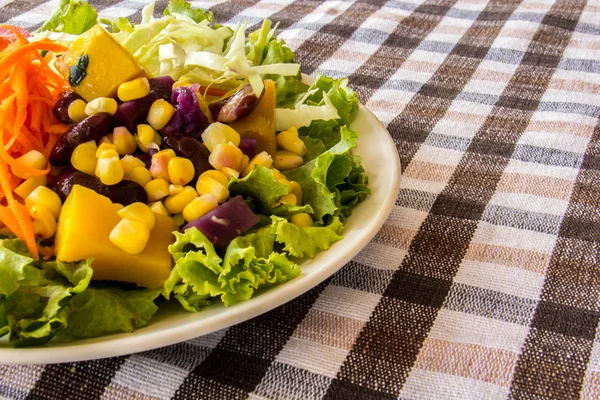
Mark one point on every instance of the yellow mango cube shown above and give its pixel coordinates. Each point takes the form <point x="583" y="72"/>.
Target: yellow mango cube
<point x="108" y="65"/>
<point x="84" y="227"/>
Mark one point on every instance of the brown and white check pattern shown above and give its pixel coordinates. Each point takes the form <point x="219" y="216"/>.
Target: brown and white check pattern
<point x="484" y="283"/>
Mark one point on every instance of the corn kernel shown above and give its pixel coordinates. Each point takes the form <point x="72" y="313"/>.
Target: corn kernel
<point x="159" y="208"/>
<point x="132" y="90"/>
<point x="30" y="184"/>
<point x="180" y="170"/>
<point x="245" y="162"/>
<point x="159" y="168"/>
<point x="178" y="219"/>
<point x="139" y="212"/>
<point x="84" y="157"/>
<point x="101" y="105"/>
<point x="43" y="222"/>
<point x="263" y="158"/>
<point x="127" y="170"/>
<point x="230" y="172"/>
<point x="286" y="160"/>
<point x="180" y="83"/>
<point x="219" y="133"/>
<point x="199" y="207"/>
<point x="109" y="170"/>
<point x="160" y="114"/>
<point x="154" y="144"/>
<point x="145" y="134"/>
<point x="174" y="189"/>
<point x="289" y="199"/>
<point x="139" y="175"/>
<point x="302" y="220"/>
<point x="226" y="155"/>
<point x="217" y="176"/>
<point x="130" y="236"/>
<point x="32" y="159"/>
<point x="296" y="190"/>
<point x="105" y="139"/>
<point x="133" y="161"/>
<point x="45" y="197"/>
<point x="106" y="150"/>
<point x="279" y="177"/>
<point x="123" y="141"/>
<point x="76" y="110"/>
<point x="177" y="202"/>
<point x="157" y="189"/>
<point x="289" y="140"/>
<point x="207" y="185"/>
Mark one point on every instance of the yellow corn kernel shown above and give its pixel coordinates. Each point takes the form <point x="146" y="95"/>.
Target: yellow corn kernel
<point x="289" y="140"/>
<point x="286" y="160"/>
<point x="159" y="168"/>
<point x="43" y="222"/>
<point x="296" y="190"/>
<point x="145" y="134"/>
<point x="130" y="236"/>
<point x="245" y="162"/>
<point x="279" y="177"/>
<point x="139" y="175"/>
<point x="226" y="155"/>
<point x="109" y="170"/>
<point x="157" y="189"/>
<point x="127" y="170"/>
<point x="32" y="159"/>
<point x="160" y="114"/>
<point x="207" y="185"/>
<point x="123" y="141"/>
<point x="105" y="139"/>
<point x="199" y="207"/>
<point x="84" y="157"/>
<point x="159" y="208"/>
<point x="263" y="158"/>
<point x="106" y="150"/>
<point x="132" y="90"/>
<point x="133" y="161"/>
<point x="176" y="203"/>
<point x="178" y="219"/>
<point x="30" y="184"/>
<point x="174" y="189"/>
<point x="139" y="212"/>
<point x="289" y="199"/>
<point x="180" y="170"/>
<point x="217" y="176"/>
<point x="45" y="197"/>
<point x="230" y="172"/>
<point x="302" y="220"/>
<point x="219" y="133"/>
<point x="154" y="144"/>
<point x="101" y="105"/>
<point x="180" y="83"/>
<point x="76" y="110"/>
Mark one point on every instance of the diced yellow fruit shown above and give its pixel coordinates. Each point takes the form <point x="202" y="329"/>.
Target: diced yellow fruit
<point x="139" y="212"/>
<point x="157" y="189"/>
<point x="159" y="168"/>
<point x="174" y="189"/>
<point x="30" y="184"/>
<point x="260" y="124"/>
<point x="32" y="159"/>
<point x="130" y="236"/>
<point x="176" y="203"/>
<point x="101" y="105"/>
<point x="296" y="190"/>
<point x="302" y="220"/>
<point x="76" y="241"/>
<point x="286" y="160"/>
<point x="145" y="133"/>
<point x="109" y="64"/>
<point x="226" y="155"/>
<point x="135" y="89"/>
<point x="159" y="208"/>
<point x="263" y="158"/>
<point x="109" y="170"/>
<point x="76" y="110"/>
<point x="123" y="140"/>
<point x="230" y="172"/>
<point x="160" y="114"/>
<point x="207" y="185"/>
<point x="84" y="157"/>
<point x="43" y="222"/>
<point x="199" y="207"/>
<point x="219" y="133"/>
<point x="178" y="219"/>
<point x="289" y="140"/>
<point x="180" y="170"/>
<point x="216" y="175"/>
<point x="45" y="197"/>
<point x="289" y="199"/>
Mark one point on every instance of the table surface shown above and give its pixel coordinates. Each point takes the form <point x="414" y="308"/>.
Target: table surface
<point x="484" y="282"/>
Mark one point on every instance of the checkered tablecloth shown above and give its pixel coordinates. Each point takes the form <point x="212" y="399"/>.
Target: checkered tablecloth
<point x="484" y="283"/>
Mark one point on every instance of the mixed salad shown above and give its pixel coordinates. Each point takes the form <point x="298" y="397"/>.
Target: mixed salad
<point x="171" y="160"/>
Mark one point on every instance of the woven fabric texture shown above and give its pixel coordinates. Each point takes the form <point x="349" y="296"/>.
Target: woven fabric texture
<point x="484" y="283"/>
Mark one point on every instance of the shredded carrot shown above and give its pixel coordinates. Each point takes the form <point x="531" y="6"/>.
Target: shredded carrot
<point x="29" y="88"/>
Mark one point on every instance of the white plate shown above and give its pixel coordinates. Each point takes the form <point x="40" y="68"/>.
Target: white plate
<point x="173" y="324"/>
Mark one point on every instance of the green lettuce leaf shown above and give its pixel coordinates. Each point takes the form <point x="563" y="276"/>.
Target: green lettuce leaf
<point x="314" y="148"/>
<point x="342" y="97"/>
<point x="71" y="16"/>
<point x="14" y="258"/>
<point x="182" y="7"/>
<point x="120" y="24"/>
<point x="306" y="242"/>
<point x="328" y="132"/>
